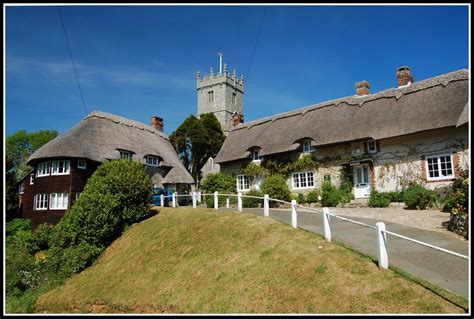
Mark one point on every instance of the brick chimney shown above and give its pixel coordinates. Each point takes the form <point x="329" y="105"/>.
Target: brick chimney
<point x="237" y="119"/>
<point x="362" y="88"/>
<point x="404" y="76"/>
<point x="157" y="122"/>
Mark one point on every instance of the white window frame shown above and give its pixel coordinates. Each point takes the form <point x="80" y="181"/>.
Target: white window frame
<point x="307" y="148"/>
<point x="78" y="194"/>
<point x="151" y="159"/>
<point x="371" y="143"/>
<point x="32" y="179"/>
<point x="21" y="188"/>
<point x="79" y="162"/>
<point x="302" y="178"/>
<point x="43" y="169"/>
<point x="55" y="167"/>
<point x="126" y="154"/>
<point x="439" y="169"/>
<point x="256" y="157"/>
<point x="62" y="198"/>
<point x="241" y="179"/>
<point x="40" y="202"/>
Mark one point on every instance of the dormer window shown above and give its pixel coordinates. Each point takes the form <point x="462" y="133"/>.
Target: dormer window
<point x="152" y="161"/>
<point x="126" y="155"/>
<point x="256" y="155"/>
<point x="81" y="164"/>
<point x="371" y="146"/>
<point x="307" y="148"/>
<point x="60" y="167"/>
<point x="43" y="169"/>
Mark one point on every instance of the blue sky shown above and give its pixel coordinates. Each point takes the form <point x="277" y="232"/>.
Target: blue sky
<point x="139" y="61"/>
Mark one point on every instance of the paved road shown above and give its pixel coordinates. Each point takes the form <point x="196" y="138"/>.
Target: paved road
<point x="444" y="270"/>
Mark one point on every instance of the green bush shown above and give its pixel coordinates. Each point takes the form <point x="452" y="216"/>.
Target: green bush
<point x="275" y="186"/>
<point x="252" y="202"/>
<point x="418" y="197"/>
<point x="13" y="226"/>
<point x="458" y="196"/>
<point x="116" y="195"/>
<point x="330" y="195"/>
<point x="312" y="197"/>
<point x="221" y="183"/>
<point x="301" y="199"/>
<point x="379" y="199"/>
<point x="396" y="196"/>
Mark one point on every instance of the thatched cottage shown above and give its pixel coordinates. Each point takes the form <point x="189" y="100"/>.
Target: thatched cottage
<point x="417" y="131"/>
<point x="63" y="165"/>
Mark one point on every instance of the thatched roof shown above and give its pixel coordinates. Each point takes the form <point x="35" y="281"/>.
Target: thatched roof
<point x="430" y="104"/>
<point x="464" y="117"/>
<point x="100" y="135"/>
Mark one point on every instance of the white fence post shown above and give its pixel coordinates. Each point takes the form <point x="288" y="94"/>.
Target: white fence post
<point x="174" y="200"/>
<point x="266" y="209"/>
<point x="216" y="201"/>
<point x="239" y="201"/>
<point x="327" y="229"/>
<point x="199" y="196"/>
<point x="294" y="218"/>
<point x="382" y="245"/>
<point x="227" y="203"/>
<point x="162" y="200"/>
<point x="194" y="199"/>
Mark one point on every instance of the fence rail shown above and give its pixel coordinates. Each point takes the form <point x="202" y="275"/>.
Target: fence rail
<point x="379" y="228"/>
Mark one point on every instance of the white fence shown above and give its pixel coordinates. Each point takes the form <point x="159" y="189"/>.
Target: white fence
<point x="326" y="215"/>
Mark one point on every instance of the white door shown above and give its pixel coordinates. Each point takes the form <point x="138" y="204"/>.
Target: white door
<point x="362" y="181"/>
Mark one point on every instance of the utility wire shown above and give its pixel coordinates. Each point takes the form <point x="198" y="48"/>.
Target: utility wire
<point x="256" y="41"/>
<point x="72" y="60"/>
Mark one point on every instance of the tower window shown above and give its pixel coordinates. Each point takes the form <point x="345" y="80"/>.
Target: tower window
<point x="210" y="96"/>
<point x="234" y="95"/>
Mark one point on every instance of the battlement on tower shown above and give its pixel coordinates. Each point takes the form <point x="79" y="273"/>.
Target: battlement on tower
<point x="214" y="79"/>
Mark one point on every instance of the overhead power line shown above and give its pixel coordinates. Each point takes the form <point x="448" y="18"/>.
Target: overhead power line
<point x="256" y="41"/>
<point x="72" y="60"/>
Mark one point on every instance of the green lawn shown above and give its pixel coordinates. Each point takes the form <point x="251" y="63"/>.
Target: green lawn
<point x="200" y="261"/>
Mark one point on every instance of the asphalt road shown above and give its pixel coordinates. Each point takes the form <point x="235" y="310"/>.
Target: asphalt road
<point x="439" y="268"/>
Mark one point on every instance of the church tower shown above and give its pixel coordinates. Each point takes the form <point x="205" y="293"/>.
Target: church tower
<point x="221" y="94"/>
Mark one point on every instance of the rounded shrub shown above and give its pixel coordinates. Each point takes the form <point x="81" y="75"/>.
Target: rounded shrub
<point x="221" y="183"/>
<point x="312" y="197"/>
<point x="275" y="186"/>
<point x="330" y="195"/>
<point x="418" y="197"/>
<point x="379" y="199"/>
<point x="116" y="195"/>
<point x="252" y="202"/>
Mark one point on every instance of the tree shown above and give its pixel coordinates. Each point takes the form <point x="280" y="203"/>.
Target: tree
<point x="19" y="146"/>
<point x="196" y="140"/>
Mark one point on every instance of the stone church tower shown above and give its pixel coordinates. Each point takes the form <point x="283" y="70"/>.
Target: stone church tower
<point x="221" y="94"/>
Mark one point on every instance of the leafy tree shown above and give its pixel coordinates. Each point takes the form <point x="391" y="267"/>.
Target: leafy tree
<point x="196" y="140"/>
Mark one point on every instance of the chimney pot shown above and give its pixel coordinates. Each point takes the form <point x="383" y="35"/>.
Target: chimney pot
<point x="157" y="122"/>
<point x="404" y="76"/>
<point x="362" y="88"/>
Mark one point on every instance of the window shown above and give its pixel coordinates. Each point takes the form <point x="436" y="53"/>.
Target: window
<point x="327" y="177"/>
<point x="211" y="164"/>
<point x="243" y="183"/>
<point x="126" y="155"/>
<point x="81" y="164"/>
<point x="32" y="179"/>
<point x="210" y="96"/>
<point x="256" y="155"/>
<point x="303" y="180"/>
<point x="234" y="95"/>
<point x="59" y="201"/>
<point x="439" y="167"/>
<point x="78" y="195"/>
<point x="21" y="188"/>
<point x="371" y="146"/>
<point x="152" y="161"/>
<point x="43" y="169"/>
<point x="307" y="148"/>
<point x="60" y="168"/>
<point x="41" y="202"/>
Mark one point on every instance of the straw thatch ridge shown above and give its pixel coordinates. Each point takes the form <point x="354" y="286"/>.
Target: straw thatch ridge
<point x="429" y="104"/>
<point x="100" y="136"/>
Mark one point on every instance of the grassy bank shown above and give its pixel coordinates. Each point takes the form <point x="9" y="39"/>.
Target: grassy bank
<point x="200" y="261"/>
